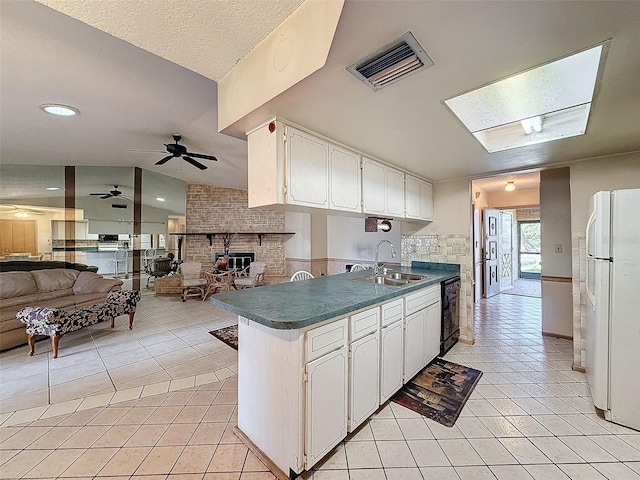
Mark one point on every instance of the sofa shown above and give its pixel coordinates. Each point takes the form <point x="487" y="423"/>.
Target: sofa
<point x="62" y="288"/>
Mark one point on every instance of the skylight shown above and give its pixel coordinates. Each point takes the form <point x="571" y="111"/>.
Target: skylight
<point x="546" y="103"/>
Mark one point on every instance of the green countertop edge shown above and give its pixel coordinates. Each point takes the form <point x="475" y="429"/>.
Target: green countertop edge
<point x="296" y="305"/>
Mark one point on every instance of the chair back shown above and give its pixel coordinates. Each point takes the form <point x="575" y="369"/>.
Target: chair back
<point x="121" y="255"/>
<point x="301" y="275"/>
<point x="356" y="267"/>
<point x="190" y="270"/>
<point x="257" y="268"/>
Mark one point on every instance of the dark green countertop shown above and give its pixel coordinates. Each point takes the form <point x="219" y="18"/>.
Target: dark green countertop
<point x="295" y="305"/>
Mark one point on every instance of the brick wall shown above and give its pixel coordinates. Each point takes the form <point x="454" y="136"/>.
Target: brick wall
<point x="216" y="209"/>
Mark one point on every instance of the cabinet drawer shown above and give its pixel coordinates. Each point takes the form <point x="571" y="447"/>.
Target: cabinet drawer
<point x="363" y="323"/>
<point x="392" y="312"/>
<point x="421" y="299"/>
<point x="324" y="339"/>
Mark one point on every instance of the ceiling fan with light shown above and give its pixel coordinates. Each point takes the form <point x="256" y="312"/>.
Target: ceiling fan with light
<point x="113" y="193"/>
<point x="176" y="150"/>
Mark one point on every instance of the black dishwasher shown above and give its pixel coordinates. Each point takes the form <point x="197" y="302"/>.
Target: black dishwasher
<point x="450" y="314"/>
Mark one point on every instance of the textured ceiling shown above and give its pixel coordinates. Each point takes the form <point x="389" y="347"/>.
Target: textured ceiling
<point x="208" y="37"/>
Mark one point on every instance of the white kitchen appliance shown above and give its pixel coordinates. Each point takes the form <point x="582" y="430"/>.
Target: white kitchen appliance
<point x="613" y="310"/>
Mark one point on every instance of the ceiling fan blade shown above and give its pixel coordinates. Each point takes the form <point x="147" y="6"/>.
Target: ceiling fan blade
<point x="98" y="194"/>
<point x="164" y="160"/>
<point x="200" y="155"/>
<point x="194" y="162"/>
<point x="108" y="195"/>
<point x="139" y="150"/>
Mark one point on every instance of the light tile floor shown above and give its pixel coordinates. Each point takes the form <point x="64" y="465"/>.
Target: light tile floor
<point x="529" y="417"/>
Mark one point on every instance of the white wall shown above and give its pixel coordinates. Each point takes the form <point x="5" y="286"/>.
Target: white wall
<point x="590" y="176"/>
<point x="346" y="239"/>
<point x="518" y="198"/>
<point x="298" y="245"/>
<point x="555" y="211"/>
<point x="451" y="209"/>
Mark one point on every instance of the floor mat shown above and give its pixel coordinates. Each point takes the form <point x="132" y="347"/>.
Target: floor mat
<point x="228" y="335"/>
<point x="439" y="391"/>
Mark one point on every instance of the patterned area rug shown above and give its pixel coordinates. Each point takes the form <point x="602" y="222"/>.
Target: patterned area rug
<point x="228" y="335"/>
<point x="439" y="391"/>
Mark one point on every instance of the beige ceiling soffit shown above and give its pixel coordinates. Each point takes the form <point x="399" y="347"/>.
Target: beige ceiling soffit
<point x="298" y="47"/>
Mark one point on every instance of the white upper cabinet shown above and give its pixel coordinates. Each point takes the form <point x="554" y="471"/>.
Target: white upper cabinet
<point x="418" y="198"/>
<point x="344" y="179"/>
<point x="382" y="189"/>
<point x="307" y="169"/>
<point x="289" y="165"/>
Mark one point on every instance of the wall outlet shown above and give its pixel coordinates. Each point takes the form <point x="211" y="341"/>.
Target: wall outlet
<point x="558" y="248"/>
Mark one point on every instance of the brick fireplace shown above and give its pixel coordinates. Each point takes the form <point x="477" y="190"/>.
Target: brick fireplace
<point x="217" y="209"/>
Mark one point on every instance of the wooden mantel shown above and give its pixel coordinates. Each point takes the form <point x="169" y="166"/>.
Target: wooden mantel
<point x="210" y="235"/>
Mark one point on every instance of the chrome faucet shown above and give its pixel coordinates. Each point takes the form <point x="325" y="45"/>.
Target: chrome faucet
<point x="377" y="266"/>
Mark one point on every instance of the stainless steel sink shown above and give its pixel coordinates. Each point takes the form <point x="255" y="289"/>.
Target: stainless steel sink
<point x="394" y="279"/>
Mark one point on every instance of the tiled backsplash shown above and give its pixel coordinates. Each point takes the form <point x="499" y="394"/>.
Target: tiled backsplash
<point x="446" y="249"/>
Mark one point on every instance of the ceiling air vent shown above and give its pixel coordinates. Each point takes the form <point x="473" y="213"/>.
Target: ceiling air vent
<point x="391" y="63"/>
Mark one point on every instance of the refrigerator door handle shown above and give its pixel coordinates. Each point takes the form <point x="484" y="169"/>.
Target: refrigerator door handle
<point x="592" y="218"/>
<point x="592" y="297"/>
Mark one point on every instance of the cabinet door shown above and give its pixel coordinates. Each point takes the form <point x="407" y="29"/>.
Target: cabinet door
<point x="394" y="188"/>
<point x="344" y="179"/>
<point x="391" y="359"/>
<point x="6" y="237"/>
<point x="373" y="187"/>
<point x="414" y="347"/>
<point x="432" y="332"/>
<point x="363" y="379"/>
<point x="326" y="405"/>
<point x="426" y="200"/>
<point x="307" y="169"/>
<point x="412" y="198"/>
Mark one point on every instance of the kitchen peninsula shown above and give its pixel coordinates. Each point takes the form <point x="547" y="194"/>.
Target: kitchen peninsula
<point x="317" y="357"/>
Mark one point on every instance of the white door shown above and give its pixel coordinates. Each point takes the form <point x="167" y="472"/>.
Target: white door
<point x="363" y="379"/>
<point x="505" y="250"/>
<point x="414" y="347"/>
<point x="326" y="404"/>
<point x="491" y="225"/>
<point x="391" y="360"/>
<point x="373" y="187"/>
<point x="344" y="179"/>
<point x="307" y="169"/>
<point x="597" y="334"/>
<point x="433" y="331"/>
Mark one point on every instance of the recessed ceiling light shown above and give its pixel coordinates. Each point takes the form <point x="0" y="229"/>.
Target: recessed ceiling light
<point x="160" y="199"/>
<point x="60" y="110"/>
<point x="548" y="102"/>
<point x="53" y="189"/>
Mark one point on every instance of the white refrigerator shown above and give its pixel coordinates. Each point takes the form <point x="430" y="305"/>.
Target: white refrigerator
<point x="613" y="312"/>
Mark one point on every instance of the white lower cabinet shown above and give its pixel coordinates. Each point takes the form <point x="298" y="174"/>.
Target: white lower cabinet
<point x="432" y="331"/>
<point x="414" y="347"/>
<point x="421" y="330"/>
<point x="364" y="356"/>
<point x="391" y="359"/>
<point x="326" y="404"/>
<point x="363" y="379"/>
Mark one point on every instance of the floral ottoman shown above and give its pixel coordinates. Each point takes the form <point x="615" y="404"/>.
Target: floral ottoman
<point x="55" y="322"/>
